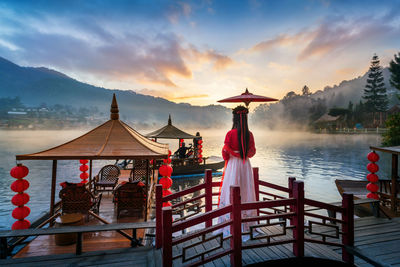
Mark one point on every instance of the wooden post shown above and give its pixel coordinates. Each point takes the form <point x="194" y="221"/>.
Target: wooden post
<point x="298" y="233"/>
<point x="236" y="227"/>
<point x="208" y="192"/>
<point x="348" y="226"/>
<point x="395" y="168"/>
<point x="90" y="174"/>
<point x="159" y="205"/>
<point x="4" y="248"/>
<point x="257" y="187"/>
<point x="53" y="189"/>
<point x="147" y="188"/>
<point x="290" y="186"/>
<point x="78" y="244"/>
<point x="167" y="236"/>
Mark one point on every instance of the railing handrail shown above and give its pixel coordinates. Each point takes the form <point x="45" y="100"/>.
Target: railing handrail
<point x="76" y="229"/>
<point x="274" y="186"/>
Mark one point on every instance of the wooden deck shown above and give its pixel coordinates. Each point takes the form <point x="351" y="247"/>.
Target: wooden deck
<point x="45" y="245"/>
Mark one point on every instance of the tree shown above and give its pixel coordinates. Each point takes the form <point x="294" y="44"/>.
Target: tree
<point x="375" y="91"/>
<point x="394" y="67"/>
<point x="306" y="91"/>
<point x="392" y="136"/>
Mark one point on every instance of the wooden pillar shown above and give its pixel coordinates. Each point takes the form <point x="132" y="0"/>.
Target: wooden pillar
<point x="290" y="186"/>
<point x="148" y="196"/>
<point x="167" y="236"/>
<point x="257" y="187"/>
<point x="90" y="174"/>
<point x="208" y="192"/>
<point x="159" y="205"/>
<point x="298" y="233"/>
<point x="395" y="169"/>
<point x="53" y="189"/>
<point x="236" y="227"/>
<point x="348" y="226"/>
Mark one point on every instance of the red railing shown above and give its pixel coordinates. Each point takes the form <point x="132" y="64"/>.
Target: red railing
<point x="291" y="207"/>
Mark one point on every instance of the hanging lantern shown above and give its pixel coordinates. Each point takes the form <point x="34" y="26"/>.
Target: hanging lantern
<point x="166" y="182"/>
<point x="19" y="171"/>
<point x="199" y="146"/>
<point x="20" y="185"/>
<point x="20" y="199"/>
<point x="165" y="170"/>
<point x="21" y="224"/>
<point x="167" y="161"/>
<point x="372" y="177"/>
<point x="166" y="192"/>
<point x="200" y="142"/>
<point x="84" y="168"/>
<point x="169" y="153"/>
<point x="373" y="157"/>
<point x="372" y="167"/>
<point x="167" y="204"/>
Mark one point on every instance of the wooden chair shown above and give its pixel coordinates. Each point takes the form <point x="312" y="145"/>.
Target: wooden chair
<point x="139" y="171"/>
<point x="78" y="199"/>
<point x="107" y="178"/>
<point x="130" y="197"/>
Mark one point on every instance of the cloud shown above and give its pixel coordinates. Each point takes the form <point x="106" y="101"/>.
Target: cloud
<point x="219" y="61"/>
<point x="281" y="40"/>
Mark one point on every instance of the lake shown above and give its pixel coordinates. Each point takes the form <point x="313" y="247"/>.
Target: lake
<point x="317" y="159"/>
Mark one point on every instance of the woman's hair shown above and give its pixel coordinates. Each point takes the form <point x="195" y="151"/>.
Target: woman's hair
<point x="240" y="123"/>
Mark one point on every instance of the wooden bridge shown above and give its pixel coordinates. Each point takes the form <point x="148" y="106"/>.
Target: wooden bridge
<point x="288" y="227"/>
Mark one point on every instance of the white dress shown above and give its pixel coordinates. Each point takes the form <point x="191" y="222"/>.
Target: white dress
<point x="238" y="173"/>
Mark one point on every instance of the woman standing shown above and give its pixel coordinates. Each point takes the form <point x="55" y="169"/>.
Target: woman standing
<point x="239" y="147"/>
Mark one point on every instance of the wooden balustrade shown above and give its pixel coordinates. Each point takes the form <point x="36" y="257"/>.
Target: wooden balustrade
<point x="293" y="210"/>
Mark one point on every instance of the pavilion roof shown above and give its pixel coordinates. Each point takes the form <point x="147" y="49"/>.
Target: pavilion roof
<point x="113" y="139"/>
<point x="170" y="132"/>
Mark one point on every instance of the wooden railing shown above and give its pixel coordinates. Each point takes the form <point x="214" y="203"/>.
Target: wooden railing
<point x="273" y="206"/>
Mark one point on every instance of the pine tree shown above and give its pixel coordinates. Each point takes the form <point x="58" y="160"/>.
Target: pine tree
<point x="394" y="68"/>
<point x="375" y="90"/>
<point x="306" y="91"/>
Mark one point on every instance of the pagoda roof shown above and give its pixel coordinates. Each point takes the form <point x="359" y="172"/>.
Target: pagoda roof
<point x="113" y="139"/>
<point x="169" y="131"/>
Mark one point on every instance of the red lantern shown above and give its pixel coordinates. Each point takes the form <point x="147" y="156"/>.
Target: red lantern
<point x="169" y="153"/>
<point x="165" y="170"/>
<point x="20" y="185"/>
<point x="151" y="162"/>
<point x="166" y="182"/>
<point x="372" y="156"/>
<point x="372" y="177"/>
<point x="200" y="160"/>
<point x="22" y="224"/>
<point x="83" y="161"/>
<point x="20" y="199"/>
<point x="167" y="204"/>
<point x="200" y="155"/>
<point x="372" y="167"/>
<point x="19" y="171"/>
<point x="200" y="142"/>
<point x="373" y="195"/>
<point x="84" y="175"/>
<point x="200" y="151"/>
<point x="166" y="192"/>
<point x="199" y="146"/>
<point x="372" y="187"/>
<point x="21" y="212"/>
<point x="84" y="168"/>
<point x="167" y="161"/>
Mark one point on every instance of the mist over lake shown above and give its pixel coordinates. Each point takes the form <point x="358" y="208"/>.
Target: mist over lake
<point x="317" y="159"/>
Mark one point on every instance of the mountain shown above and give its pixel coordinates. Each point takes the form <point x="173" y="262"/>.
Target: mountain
<point x="35" y="86"/>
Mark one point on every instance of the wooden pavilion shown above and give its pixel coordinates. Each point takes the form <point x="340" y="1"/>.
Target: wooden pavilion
<point x="112" y="140"/>
<point x="169" y="131"/>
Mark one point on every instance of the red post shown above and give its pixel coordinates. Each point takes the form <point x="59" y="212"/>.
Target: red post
<point x="236" y="227"/>
<point x="159" y="205"/>
<point x="348" y="226"/>
<point x="257" y="187"/>
<point x="208" y="192"/>
<point x="290" y="186"/>
<point x="298" y="233"/>
<point x="167" y="236"/>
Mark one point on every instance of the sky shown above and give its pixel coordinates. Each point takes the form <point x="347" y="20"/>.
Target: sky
<point x="203" y="50"/>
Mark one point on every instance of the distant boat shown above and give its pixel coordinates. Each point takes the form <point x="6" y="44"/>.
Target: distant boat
<point x="191" y="163"/>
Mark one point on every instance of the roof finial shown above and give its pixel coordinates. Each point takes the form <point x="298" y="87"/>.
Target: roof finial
<point x="169" y="120"/>
<point x="114" y="109"/>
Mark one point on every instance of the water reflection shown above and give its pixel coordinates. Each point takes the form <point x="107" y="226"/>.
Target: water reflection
<point x="318" y="159"/>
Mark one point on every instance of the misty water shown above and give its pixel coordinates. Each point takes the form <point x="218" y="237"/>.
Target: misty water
<point x="317" y="159"/>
